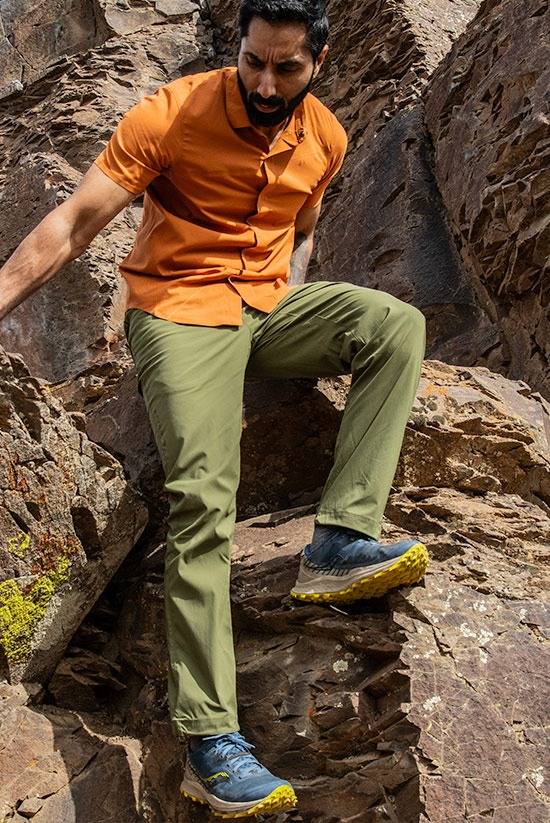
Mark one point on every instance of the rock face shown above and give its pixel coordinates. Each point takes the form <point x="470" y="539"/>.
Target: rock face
<point x="386" y="230"/>
<point x="82" y="309"/>
<point x="67" y="520"/>
<point x="488" y="119"/>
<point x="33" y="34"/>
<point x="55" y="762"/>
<point x="271" y="477"/>
<point x="428" y="704"/>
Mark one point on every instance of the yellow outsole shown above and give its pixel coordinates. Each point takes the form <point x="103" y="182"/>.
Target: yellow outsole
<point x="281" y="799"/>
<point x="409" y="568"/>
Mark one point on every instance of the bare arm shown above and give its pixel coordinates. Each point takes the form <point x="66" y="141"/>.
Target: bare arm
<point x="60" y="237"/>
<point x="306" y="221"/>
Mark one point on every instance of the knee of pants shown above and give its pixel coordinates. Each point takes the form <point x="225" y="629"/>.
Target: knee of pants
<point x="394" y="319"/>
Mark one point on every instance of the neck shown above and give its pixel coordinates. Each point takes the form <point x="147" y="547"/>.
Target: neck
<point x="272" y="132"/>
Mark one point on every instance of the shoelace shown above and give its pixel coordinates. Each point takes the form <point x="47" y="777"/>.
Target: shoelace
<point x="236" y="749"/>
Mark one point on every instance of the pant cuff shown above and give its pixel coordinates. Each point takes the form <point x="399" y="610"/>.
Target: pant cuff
<point x="367" y="525"/>
<point x="215" y="725"/>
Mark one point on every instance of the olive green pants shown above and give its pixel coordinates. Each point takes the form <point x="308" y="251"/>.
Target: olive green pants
<point x="191" y="379"/>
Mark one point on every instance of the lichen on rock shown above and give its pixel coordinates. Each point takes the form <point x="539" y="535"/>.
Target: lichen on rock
<point x="22" y="609"/>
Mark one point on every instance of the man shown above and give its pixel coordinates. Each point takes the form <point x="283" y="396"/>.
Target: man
<point x="234" y="164"/>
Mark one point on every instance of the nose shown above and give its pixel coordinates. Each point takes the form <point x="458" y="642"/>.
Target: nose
<point x="267" y="86"/>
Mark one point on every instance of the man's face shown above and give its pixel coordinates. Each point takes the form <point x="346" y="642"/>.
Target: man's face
<point x="275" y="70"/>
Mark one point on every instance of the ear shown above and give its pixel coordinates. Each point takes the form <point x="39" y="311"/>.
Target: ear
<point x="320" y="60"/>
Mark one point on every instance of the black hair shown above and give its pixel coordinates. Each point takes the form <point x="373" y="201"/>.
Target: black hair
<point x="311" y="13"/>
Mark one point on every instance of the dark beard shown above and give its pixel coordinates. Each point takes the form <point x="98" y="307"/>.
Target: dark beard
<point x="272" y="118"/>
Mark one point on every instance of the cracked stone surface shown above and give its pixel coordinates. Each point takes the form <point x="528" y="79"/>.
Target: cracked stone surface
<point x="482" y="445"/>
<point x="487" y="114"/>
<point x="427" y="705"/>
<point x="33" y="34"/>
<point x="54" y="763"/>
<point x="67" y="519"/>
<point x="271" y="477"/>
<point x="397" y="240"/>
<point x="60" y="329"/>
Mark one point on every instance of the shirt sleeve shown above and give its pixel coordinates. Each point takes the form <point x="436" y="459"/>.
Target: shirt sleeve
<point x="136" y="152"/>
<point x="335" y="162"/>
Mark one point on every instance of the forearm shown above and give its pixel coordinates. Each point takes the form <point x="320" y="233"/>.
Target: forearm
<point x="303" y="249"/>
<point x="37" y="259"/>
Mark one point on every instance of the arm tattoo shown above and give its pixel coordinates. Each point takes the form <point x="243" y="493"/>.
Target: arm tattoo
<point x="303" y="247"/>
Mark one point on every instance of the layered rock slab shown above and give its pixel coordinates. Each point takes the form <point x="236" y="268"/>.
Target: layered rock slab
<point x="487" y="114"/>
<point x="61" y="328"/>
<point x="395" y="708"/>
<point x="385" y="227"/>
<point x="74" y="107"/>
<point x="271" y="476"/>
<point x="386" y="230"/>
<point x="67" y="520"/>
<point x="57" y="765"/>
<point x="33" y="34"/>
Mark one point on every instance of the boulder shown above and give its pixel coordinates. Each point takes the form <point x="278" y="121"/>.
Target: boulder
<point x="67" y="520"/>
<point x="387" y="230"/>
<point x="62" y="328"/>
<point x="487" y="116"/>
<point x="34" y="34"/>
<point x="58" y="765"/>
<point x="271" y="476"/>
<point x="74" y="107"/>
<point x="50" y="133"/>
<point x="398" y="708"/>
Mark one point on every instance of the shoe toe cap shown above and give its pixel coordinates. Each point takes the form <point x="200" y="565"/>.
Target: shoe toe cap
<point x="252" y="789"/>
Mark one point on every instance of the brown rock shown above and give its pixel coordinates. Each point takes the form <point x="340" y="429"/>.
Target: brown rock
<point x="61" y="328"/>
<point x="487" y="116"/>
<point x="67" y="519"/>
<point x="70" y="766"/>
<point x="30" y="806"/>
<point x="49" y="134"/>
<point x="386" y="230"/>
<point x="459" y="455"/>
<point x="271" y="477"/>
<point x="34" y="34"/>
<point x="75" y="106"/>
<point x="391" y="707"/>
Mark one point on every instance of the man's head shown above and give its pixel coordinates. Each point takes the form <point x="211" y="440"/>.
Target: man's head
<point x="283" y="46"/>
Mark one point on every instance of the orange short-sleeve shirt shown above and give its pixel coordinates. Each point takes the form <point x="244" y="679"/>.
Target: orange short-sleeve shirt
<point x="219" y="205"/>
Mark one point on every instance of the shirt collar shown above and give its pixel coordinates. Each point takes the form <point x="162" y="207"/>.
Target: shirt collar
<point x="237" y="115"/>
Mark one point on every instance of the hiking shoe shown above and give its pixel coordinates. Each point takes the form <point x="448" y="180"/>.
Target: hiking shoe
<point x="223" y="774"/>
<point x="344" y="565"/>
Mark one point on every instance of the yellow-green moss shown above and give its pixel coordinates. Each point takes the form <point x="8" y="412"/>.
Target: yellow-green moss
<point x="20" y="612"/>
<point x="19" y="544"/>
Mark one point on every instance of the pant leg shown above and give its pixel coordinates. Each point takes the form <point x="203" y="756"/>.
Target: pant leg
<point x="192" y="382"/>
<point x="322" y="329"/>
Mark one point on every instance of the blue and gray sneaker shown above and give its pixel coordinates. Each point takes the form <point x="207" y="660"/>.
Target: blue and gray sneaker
<point x="223" y="774"/>
<point x="344" y="565"/>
